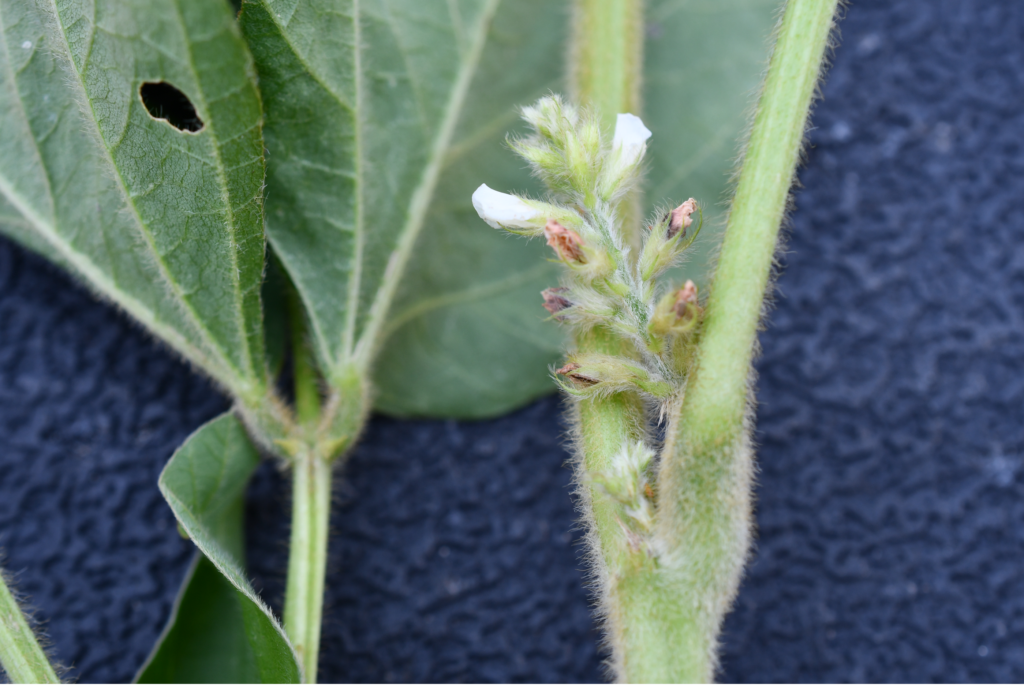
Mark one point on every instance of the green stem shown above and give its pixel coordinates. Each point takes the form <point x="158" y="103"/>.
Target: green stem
<point x="607" y="56"/>
<point x="307" y="560"/>
<point x="704" y="484"/>
<point x="311" y="506"/>
<point x="20" y="655"/>
<point x="606" y="72"/>
<point x="306" y="379"/>
<point x="717" y="397"/>
<point x="664" y="612"/>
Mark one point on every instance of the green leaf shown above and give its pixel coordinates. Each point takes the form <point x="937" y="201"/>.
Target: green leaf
<point x="375" y="111"/>
<point x="704" y="62"/>
<point x="220" y="630"/>
<point x="165" y="223"/>
<point x="467" y="335"/>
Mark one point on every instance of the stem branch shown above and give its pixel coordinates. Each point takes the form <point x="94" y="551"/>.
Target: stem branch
<point x="664" y="610"/>
<point x="307" y="392"/>
<point x="704" y="510"/>
<point x="311" y="506"/>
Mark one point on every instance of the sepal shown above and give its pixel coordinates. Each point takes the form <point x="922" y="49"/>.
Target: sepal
<point x="669" y="238"/>
<point x="598" y="375"/>
<point x="678" y="312"/>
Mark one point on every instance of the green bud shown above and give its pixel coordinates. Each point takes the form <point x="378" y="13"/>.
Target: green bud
<point x="668" y="239"/>
<point x="677" y="312"/>
<point x="598" y="375"/>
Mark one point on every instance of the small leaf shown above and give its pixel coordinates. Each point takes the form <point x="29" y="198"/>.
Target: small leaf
<point x="164" y="220"/>
<point x="220" y="630"/>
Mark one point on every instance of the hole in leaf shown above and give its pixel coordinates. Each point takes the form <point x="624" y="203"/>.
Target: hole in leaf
<point x="164" y="101"/>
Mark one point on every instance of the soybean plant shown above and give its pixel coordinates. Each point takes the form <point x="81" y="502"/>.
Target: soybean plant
<point x="668" y="521"/>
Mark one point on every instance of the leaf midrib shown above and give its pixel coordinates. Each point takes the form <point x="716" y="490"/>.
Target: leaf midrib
<point x="356" y="277"/>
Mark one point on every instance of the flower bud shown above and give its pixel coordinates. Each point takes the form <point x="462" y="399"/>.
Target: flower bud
<point x="596" y="375"/>
<point x="677" y="312"/>
<point x="566" y="242"/>
<point x="685" y="296"/>
<point x="680" y="218"/>
<point x="571" y="371"/>
<point x="555" y="300"/>
<point x="665" y="241"/>
<point x="501" y="210"/>
<point x="627" y="483"/>
<point x="630" y="139"/>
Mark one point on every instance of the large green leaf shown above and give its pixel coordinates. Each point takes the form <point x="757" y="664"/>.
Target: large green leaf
<point x="166" y="223"/>
<point x="703" y="64"/>
<point x="377" y="112"/>
<point x="220" y="631"/>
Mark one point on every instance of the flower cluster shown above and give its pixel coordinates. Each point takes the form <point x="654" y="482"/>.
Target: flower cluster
<point x="604" y="285"/>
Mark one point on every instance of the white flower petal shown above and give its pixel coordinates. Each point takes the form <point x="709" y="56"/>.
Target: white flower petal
<point x="630" y="138"/>
<point x="502" y="210"/>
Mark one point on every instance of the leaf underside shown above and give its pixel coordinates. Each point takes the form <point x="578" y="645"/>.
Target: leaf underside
<point x="165" y="223"/>
<point x="220" y="630"/>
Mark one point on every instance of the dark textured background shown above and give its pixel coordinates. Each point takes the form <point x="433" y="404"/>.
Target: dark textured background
<point x="891" y="494"/>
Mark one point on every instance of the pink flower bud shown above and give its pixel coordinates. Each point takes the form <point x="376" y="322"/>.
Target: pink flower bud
<point x="554" y="300"/>
<point x="566" y="243"/>
<point x="680" y="218"/>
<point x="686" y="296"/>
<point x="570" y="372"/>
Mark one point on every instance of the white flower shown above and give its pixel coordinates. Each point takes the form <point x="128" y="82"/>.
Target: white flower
<point x="502" y="210"/>
<point x="630" y="139"/>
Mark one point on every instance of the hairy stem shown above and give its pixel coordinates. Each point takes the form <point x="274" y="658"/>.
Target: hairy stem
<point x="606" y="73"/>
<point x="20" y="655"/>
<point x="307" y="394"/>
<point x="664" y="605"/>
<point x="307" y="560"/>
<point x="607" y="56"/>
<point x="705" y="478"/>
<point x="606" y="64"/>
<point x="311" y="507"/>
